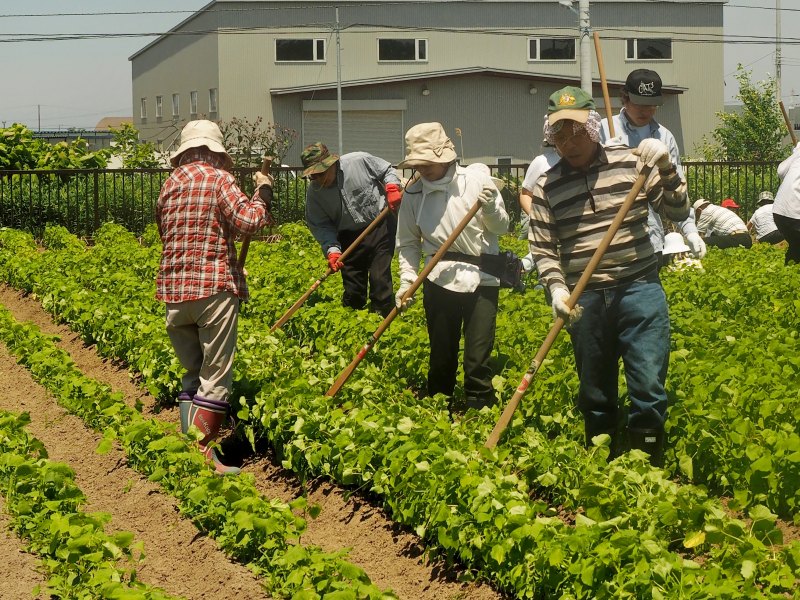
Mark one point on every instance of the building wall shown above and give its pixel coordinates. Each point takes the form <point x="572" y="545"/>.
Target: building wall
<point x="242" y="63"/>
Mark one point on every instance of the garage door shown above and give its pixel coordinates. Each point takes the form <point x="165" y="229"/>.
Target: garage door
<point x="379" y="132"/>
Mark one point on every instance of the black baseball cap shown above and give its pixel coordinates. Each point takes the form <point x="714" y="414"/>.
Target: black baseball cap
<point x="644" y="87"/>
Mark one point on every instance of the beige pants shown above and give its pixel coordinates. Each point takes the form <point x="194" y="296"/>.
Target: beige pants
<point x="203" y="333"/>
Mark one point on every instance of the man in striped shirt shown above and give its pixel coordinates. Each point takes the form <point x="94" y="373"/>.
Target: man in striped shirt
<point x="623" y="312"/>
<point x="720" y="226"/>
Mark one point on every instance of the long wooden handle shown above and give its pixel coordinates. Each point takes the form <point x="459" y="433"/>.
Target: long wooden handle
<point x="300" y="301"/>
<point x="598" y="50"/>
<point x="265" y="165"/>
<point x="788" y="123"/>
<point x="345" y="375"/>
<point x="512" y="405"/>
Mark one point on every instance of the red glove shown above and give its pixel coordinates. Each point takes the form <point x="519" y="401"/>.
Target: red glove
<point x="393" y="196"/>
<point x="333" y="261"/>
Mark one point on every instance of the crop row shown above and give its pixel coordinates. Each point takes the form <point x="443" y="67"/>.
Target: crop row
<point x="44" y="503"/>
<point x="627" y="530"/>
<point x="264" y="534"/>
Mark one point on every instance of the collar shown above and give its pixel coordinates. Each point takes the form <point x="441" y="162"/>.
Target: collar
<point x="629" y="127"/>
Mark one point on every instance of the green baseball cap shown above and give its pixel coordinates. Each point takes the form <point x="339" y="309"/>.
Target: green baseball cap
<point x="316" y="158"/>
<point x="569" y="102"/>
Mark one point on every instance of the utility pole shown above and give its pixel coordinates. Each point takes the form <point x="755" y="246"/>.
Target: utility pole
<point x="586" y="56"/>
<point x="39" y="116"/>
<point x="778" y="48"/>
<point x="339" y="82"/>
<point x="585" y="30"/>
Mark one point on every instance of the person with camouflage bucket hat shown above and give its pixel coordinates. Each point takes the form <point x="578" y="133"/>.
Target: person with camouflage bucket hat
<point x="344" y="195"/>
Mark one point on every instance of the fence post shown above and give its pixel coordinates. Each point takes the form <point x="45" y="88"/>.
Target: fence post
<point x="96" y="202"/>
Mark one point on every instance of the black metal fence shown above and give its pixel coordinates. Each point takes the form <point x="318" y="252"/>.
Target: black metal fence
<point x="82" y="200"/>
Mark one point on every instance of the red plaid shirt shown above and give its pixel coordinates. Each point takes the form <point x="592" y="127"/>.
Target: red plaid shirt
<point x="199" y="212"/>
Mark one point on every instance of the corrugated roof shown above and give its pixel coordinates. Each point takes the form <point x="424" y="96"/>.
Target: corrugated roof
<point x="670" y="89"/>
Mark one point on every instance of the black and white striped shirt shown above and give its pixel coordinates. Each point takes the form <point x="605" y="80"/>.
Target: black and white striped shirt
<point x="573" y="209"/>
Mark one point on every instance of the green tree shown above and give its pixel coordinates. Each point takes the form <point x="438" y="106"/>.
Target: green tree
<point x="756" y="132"/>
<point x="134" y="153"/>
<point x="20" y="150"/>
<point x="248" y="142"/>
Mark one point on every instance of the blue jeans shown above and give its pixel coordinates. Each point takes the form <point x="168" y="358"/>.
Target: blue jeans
<point x="629" y="321"/>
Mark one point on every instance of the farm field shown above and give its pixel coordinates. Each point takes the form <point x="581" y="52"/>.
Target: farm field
<point x="539" y="517"/>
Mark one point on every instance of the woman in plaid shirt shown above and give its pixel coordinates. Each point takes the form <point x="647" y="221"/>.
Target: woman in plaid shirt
<point x="199" y="213"/>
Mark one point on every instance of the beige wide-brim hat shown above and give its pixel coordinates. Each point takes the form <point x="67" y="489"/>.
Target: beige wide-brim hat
<point x="427" y="143"/>
<point x="486" y="172"/>
<point x="201" y="133"/>
<point x="699" y="203"/>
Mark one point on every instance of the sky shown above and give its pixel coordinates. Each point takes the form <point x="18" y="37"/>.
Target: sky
<point x="58" y="84"/>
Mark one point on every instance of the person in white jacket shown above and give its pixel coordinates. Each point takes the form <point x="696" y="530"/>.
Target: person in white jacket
<point x="786" y="209"/>
<point x="457" y="294"/>
<point x="641" y="97"/>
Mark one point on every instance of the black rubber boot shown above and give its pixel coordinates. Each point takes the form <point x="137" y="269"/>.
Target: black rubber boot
<point x="478" y="403"/>
<point x="650" y="441"/>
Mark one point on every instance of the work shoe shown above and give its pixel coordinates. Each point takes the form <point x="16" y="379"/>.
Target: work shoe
<point x="477" y="403"/>
<point x="650" y="441"/>
<point x="208" y="416"/>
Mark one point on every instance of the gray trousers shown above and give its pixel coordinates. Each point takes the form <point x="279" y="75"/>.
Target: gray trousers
<point x="203" y="334"/>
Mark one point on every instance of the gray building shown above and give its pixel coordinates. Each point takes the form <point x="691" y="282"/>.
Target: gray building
<point x="483" y="69"/>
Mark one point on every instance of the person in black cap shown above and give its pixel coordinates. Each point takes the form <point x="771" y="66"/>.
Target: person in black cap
<point x="641" y="97"/>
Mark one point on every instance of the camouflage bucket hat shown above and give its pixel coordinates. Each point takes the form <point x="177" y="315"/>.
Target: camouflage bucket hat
<point x="317" y="159"/>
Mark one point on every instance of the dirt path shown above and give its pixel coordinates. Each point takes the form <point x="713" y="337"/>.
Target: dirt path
<point x="176" y="558"/>
<point x="389" y="555"/>
<point x="21" y="572"/>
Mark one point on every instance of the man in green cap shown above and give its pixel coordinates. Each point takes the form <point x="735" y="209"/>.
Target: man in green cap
<point x="623" y="312"/>
<point x="344" y="195"/>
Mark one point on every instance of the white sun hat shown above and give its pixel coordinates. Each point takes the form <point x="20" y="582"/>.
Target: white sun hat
<point x="201" y="133"/>
<point x="675" y="244"/>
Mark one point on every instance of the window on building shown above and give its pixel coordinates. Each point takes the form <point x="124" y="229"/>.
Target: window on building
<point x="212" y="100"/>
<point x="299" y="50"/>
<point x="159" y="107"/>
<point x="193" y="102"/>
<point x="649" y="49"/>
<point x="403" y="50"/>
<point x="551" y="48"/>
<point x="143" y="108"/>
<point x="176" y="105"/>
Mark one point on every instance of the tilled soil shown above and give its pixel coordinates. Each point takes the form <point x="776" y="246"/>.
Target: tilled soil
<point x="177" y="558"/>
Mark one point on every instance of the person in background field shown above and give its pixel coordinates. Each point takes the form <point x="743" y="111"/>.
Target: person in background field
<point x="199" y="212"/>
<point x="623" y="311"/>
<point x="762" y="224"/>
<point x="731" y="205"/>
<point x="457" y="295"/>
<point x="720" y="227"/>
<point x="641" y="96"/>
<point x="538" y="165"/>
<point x="345" y="194"/>
<point x="677" y="254"/>
<point x="786" y="210"/>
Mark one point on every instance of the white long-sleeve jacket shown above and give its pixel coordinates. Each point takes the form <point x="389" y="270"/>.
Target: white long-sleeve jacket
<point x="428" y="215"/>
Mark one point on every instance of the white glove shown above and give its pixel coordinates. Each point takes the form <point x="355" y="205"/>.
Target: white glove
<point x="486" y="198"/>
<point x="652" y="152"/>
<point x="260" y="179"/>
<point x="527" y="263"/>
<point x="696" y="245"/>
<point x="560" y="308"/>
<point x="398" y="298"/>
